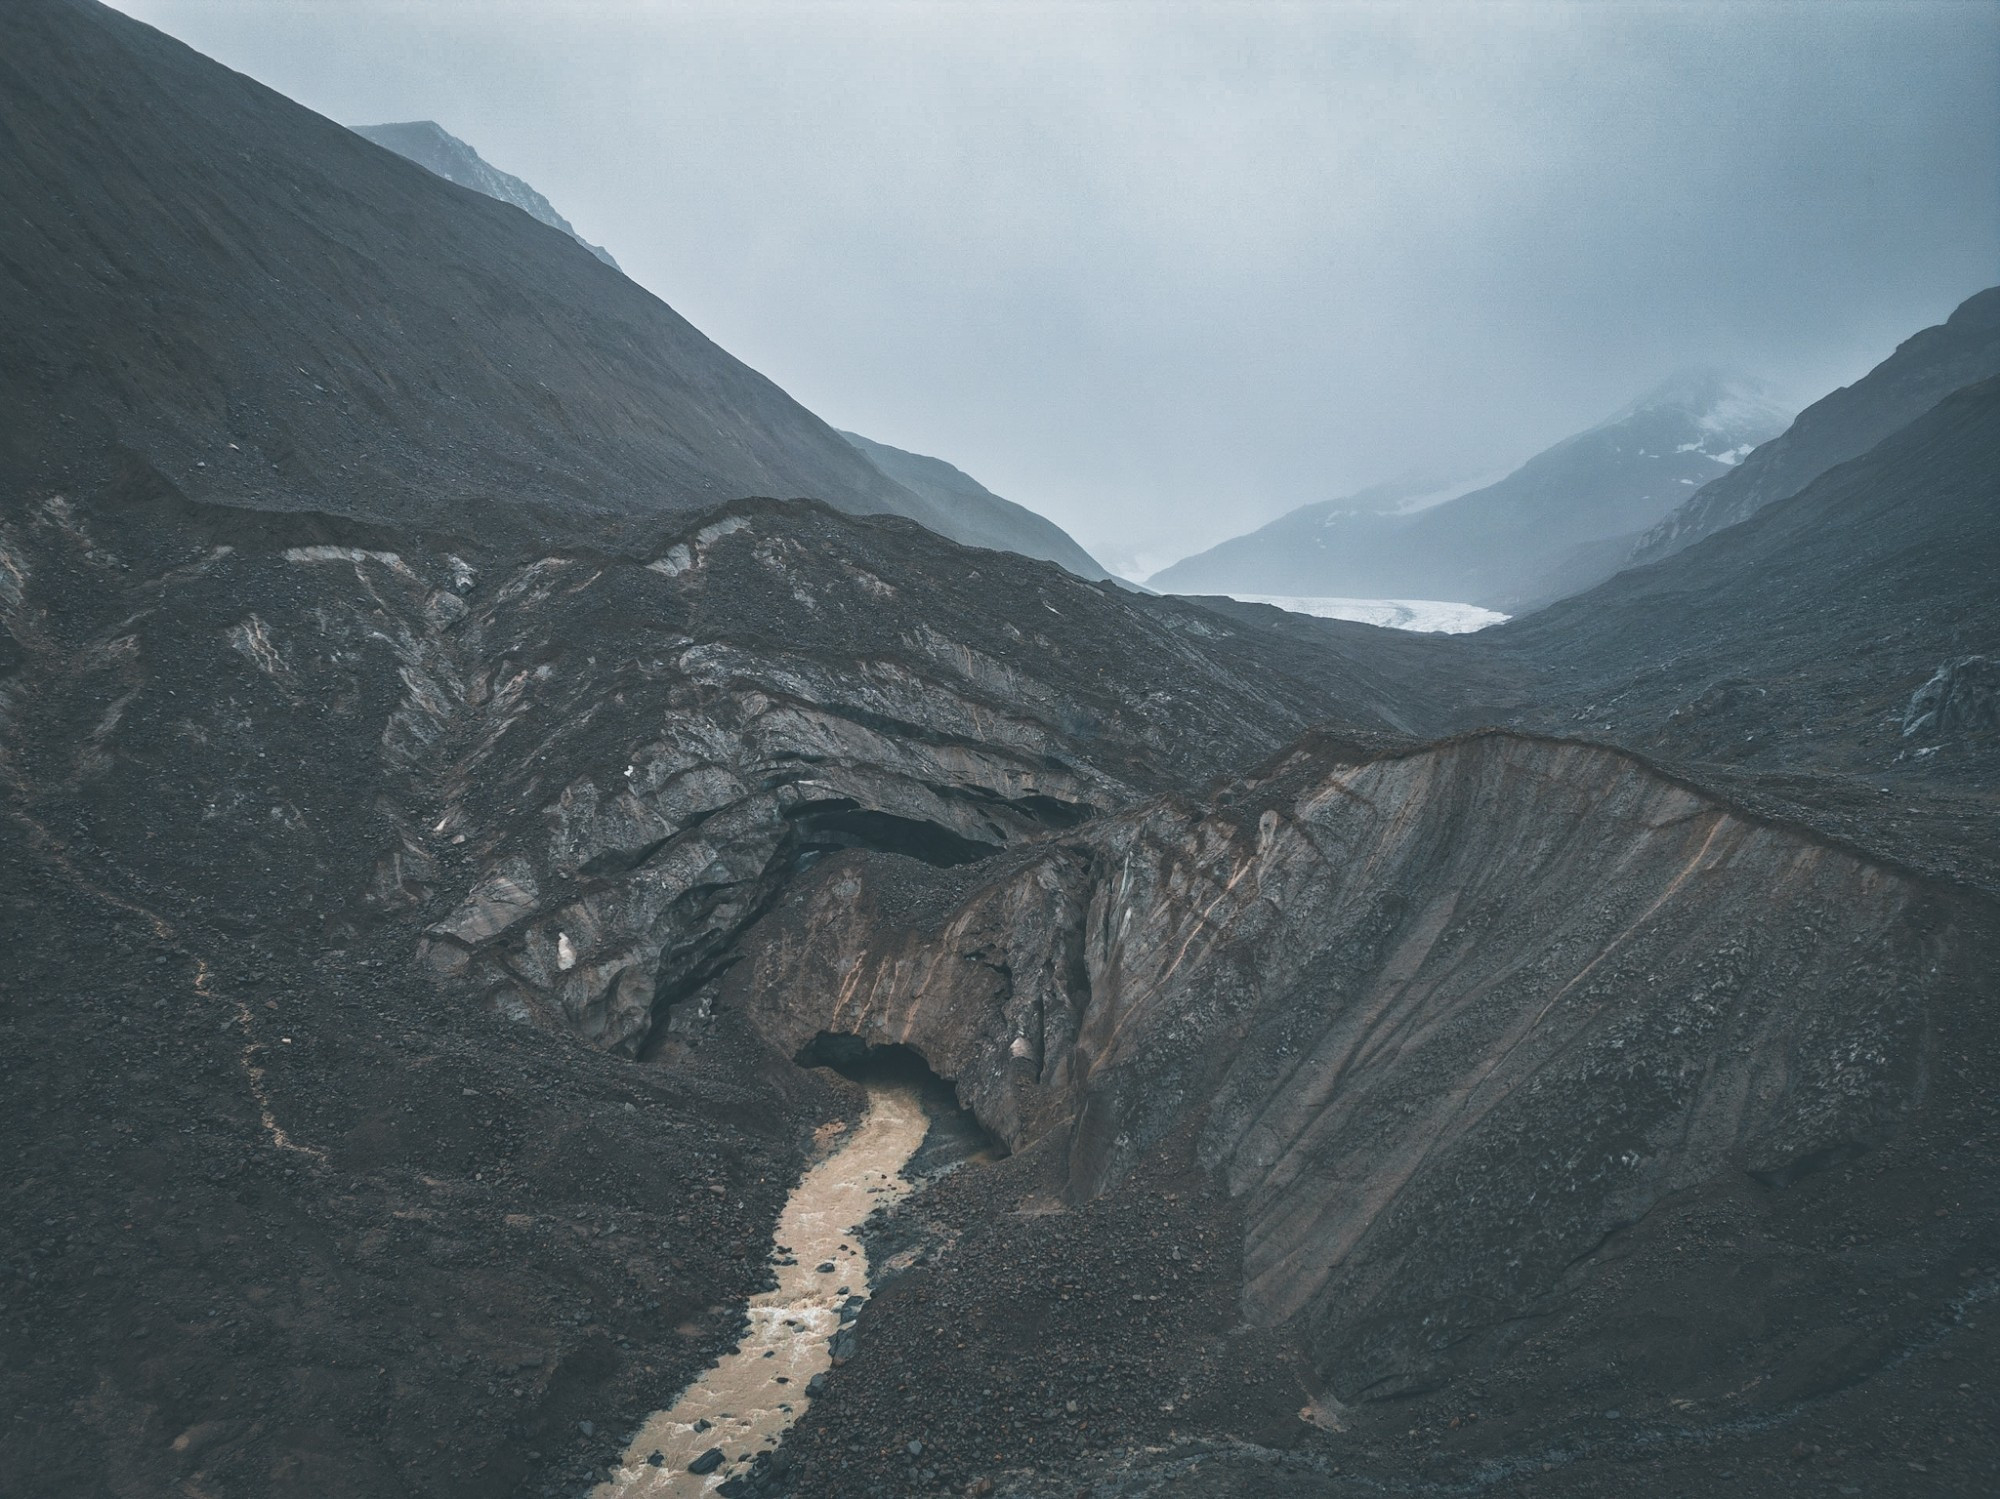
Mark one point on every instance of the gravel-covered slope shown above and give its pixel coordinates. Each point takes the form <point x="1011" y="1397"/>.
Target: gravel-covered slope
<point x="1781" y="654"/>
<point x="201" y="276"/>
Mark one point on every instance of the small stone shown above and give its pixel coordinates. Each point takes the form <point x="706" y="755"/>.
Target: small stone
<point x="708" y="1462"/>
<point x="825" y="1267"/>
<point x="915" y="1448"/>
<point x="657" y="1460"/>
<point x="587" y="1428"/>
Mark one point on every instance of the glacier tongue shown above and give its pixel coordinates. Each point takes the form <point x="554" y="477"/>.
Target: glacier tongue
<point x="1430" y="616"/>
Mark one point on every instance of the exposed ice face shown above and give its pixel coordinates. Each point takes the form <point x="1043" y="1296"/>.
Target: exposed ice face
<point x="1426" y="616"/>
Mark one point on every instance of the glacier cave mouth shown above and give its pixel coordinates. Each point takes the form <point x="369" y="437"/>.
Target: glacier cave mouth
<point x="955" y="1137"/>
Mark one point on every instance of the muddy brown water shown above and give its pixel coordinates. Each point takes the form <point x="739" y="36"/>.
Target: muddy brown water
<point x="744" y="1404"/>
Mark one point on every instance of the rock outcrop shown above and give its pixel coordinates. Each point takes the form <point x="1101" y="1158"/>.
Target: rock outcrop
<point x="1963" y="697"/>
<point x="583" y="776"/>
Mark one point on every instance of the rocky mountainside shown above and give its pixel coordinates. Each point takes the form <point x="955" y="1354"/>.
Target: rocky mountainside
<point x="212" y="285"/>
<point x="1541" y="1061"/>
<point x="436" y="149"/>
<point x="949" y="501"/>
<point x="1924" y="369"/>
<point x="332" y="805"/>
<point x="1564" y="520"/>
<point x="1786" y="650"/>
<point x="985" y="520"/>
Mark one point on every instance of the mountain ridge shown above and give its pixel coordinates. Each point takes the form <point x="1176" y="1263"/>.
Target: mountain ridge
<point x="436" y="149"/>
<point x="1559" y="521"/>
<point x="266" y="310"/>
<point x="1922" y="370"/>
<point x="988" y="520"/>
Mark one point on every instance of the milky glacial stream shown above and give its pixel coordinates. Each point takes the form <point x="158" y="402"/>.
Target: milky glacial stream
<point x="745" y="1402"/>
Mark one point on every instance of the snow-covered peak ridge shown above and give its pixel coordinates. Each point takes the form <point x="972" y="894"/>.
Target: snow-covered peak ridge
<point x="1726" y="403"/>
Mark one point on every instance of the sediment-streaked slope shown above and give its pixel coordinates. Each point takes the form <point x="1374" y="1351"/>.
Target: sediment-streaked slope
<point x="576" y="776"/>
<point x="1446" y="1021"/>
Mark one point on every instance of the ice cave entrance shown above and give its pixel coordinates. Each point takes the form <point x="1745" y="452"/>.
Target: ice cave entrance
<point x="955" y="1137"/>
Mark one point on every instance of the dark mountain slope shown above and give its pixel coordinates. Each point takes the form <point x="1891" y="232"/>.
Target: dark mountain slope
<point x="1781" y="653"/>
<point x="1560" y="522"/>
<point x="950" y="502"/>
<point x="983" y="518"/>
<point x="1829" y="607"/>
<point x="436" y="149"/>
<point x="1925" y="368"/>
<point x="198" y="275"/>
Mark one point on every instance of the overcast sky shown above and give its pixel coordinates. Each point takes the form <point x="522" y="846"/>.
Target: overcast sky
<point x="1164" y="271"/>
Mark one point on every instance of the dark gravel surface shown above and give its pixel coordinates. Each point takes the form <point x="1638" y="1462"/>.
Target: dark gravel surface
<point x="476" y="1246"/>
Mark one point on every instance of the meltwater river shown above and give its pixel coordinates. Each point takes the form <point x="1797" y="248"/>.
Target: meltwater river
<point x="743" y="1405"/>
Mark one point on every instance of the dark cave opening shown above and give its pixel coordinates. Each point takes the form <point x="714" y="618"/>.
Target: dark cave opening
<point x="956" y="1137"/>
<point x="826" y="826"/>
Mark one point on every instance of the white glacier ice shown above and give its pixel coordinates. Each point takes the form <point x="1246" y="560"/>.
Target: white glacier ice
<point x="1430" y="616"/>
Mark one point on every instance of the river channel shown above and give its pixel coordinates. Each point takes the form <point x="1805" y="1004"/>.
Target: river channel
<point x="742" y="1406"/>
